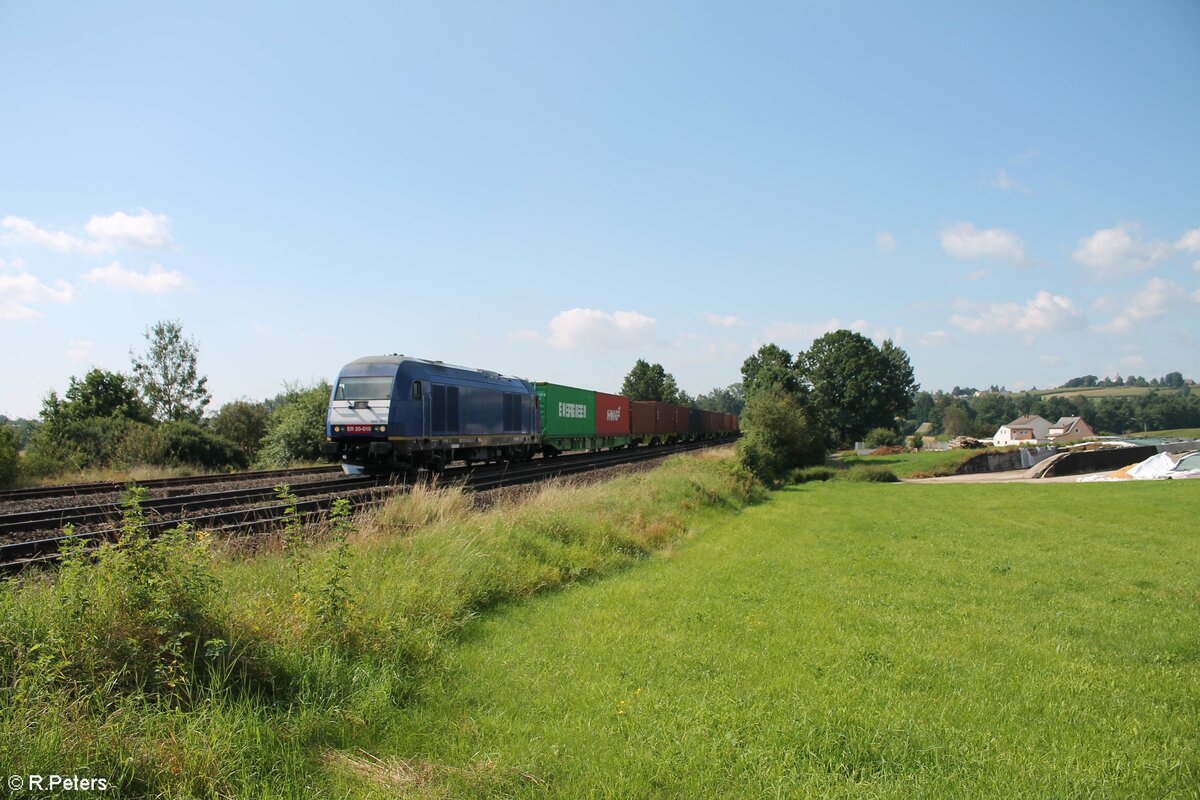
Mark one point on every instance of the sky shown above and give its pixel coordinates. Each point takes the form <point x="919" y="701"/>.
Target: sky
<point x="1010" y="192"/>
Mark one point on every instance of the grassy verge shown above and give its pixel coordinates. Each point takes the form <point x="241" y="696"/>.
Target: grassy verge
<point x="171" y="669"/>
<point x="906" y="465"/>
<point x="844" y="640"/>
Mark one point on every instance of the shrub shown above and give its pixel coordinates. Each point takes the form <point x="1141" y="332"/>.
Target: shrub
<point x="297" y="428"/>
<point x="916" y="441"/>
<point x="10" y="456"/>
<point x="779" y="436"/>
<point x="882" y="437"/>
<point x="179" y="443"/>
<point x="871" y="475"/>
<point x="244" y="423"/>
<point x="814" y="474"/>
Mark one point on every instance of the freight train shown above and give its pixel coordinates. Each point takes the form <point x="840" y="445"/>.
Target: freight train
<point x="396" y="413"/>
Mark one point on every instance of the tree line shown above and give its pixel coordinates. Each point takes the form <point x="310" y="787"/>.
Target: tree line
<point x="983" y="414"/>
<point x="155" y="414"/>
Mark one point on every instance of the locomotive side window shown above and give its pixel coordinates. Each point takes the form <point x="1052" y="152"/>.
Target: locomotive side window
<point x="363" y="389"/>
<point x="416" y="392"/>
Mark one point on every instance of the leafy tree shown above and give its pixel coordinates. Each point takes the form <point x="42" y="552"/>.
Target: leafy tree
<point x="956" y="421"/>
<point x="856" y="386"/>
<point x="778" y="435"/>
<point x="167" y="375"/>
<point x="244" y="423"/>
<point x="730" y="400"/>
<point x="103" y="394"/>
<point x="188" y="443"/>
<point x="770" y="366"/>
<point x="1173" y="380"/>
<point x="10" y="456"/>
<point x="648" y="381"/>
<point x="297" y="427"/>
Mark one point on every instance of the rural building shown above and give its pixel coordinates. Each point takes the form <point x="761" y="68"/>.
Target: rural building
<point x="1070" y="429"/>
<point x="1025" y="429"/>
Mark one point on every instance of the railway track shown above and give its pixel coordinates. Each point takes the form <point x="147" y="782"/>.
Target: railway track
<point x="72" y="490"/>
<point x="37" y="540"/>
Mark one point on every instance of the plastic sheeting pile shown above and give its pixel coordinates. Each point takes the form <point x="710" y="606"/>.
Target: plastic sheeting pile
<point x="1159" y="467"/>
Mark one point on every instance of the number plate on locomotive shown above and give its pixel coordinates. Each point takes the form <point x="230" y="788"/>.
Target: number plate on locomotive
<point x="359" y="428"/>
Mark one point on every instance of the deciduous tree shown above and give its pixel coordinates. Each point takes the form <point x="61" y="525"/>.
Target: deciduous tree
<point x="167" y="376"/>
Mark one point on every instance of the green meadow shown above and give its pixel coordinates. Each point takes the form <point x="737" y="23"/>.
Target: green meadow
<point x="674" y="633"/>
<point x="846" y="640"/>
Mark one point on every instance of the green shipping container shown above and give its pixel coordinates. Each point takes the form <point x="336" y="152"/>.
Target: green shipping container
<point x="566" y="411"/>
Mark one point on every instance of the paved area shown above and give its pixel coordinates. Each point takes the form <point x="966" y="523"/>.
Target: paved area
<point x="1008" y="476"/>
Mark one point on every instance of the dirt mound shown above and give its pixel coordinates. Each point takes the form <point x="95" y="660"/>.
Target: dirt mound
<point x="890" y="450"/>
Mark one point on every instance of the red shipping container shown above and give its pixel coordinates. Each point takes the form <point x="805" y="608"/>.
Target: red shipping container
<point x="644" y="415"/>
<point x="613" y="417"/>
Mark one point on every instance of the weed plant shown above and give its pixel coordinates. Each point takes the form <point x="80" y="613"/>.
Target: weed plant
<point x="172" y="668"/>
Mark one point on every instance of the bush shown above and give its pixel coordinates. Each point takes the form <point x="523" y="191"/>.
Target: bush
<point x="813" y="474"/>
<point x="180" y="443"/>
<point x="92" y="443"/>
<point x="779" y="436"/>
<point x="871" y="475"/>
<point x="244" y="423"/>
<point x="297" y="428"/>
<point x="882" y="437"/>
<point x="10" y="456"/>
<point x="916" y="441"/>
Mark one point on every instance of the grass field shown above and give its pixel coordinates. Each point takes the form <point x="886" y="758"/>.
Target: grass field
<point x="1177" y="433"/>
<point x="844" y="640"/>
<point x="905" y="465"/>
<point x="1105" y="391"/>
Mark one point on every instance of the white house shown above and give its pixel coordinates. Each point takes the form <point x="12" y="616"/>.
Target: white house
<point x="1025" y="429"/>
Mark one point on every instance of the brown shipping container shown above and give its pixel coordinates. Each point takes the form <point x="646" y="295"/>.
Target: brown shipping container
<point x="710" y="422"/>
<point x="612" y="415"/>
<point x="643" y="415"/>
<point x="683" y="419"/>
<point x="664" y="417"/>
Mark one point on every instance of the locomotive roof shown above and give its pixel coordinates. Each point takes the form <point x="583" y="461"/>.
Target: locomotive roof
<point x="397" y="360"/>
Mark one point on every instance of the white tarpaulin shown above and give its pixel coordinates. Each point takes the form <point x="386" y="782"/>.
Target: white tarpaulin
<point x="1159" y="467"/>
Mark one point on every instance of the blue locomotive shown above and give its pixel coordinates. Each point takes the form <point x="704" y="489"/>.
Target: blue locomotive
<point x="399" y="413"/>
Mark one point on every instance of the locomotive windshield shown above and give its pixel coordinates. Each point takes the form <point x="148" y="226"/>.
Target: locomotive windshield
<point x="363" y="389"/>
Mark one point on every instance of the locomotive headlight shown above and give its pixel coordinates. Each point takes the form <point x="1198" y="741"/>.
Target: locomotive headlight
<point x="336" y="429"/>
<point x="382" y="428"/>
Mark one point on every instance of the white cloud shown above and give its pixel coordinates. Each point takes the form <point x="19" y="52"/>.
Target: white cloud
<point x="1155" y="298"/>
<point x="155" y="281"/>
<point x="885" y="242"/>
<point x="966" y="242"/>
<point x="1005" y="183"/>
<point x="937" y="338"/>
<point x="1050" y="360"/>
<point x="1133" y="362"/>
<point x="976" y="274"/>
<point x="80" y="351"/>
<point x="144" y="230"/>
<point x="1112" y="252"/>
<point x="1043" y="313"/>
<point x="23" y="231"/>
<point x="1190" y="241"/>
<point x="21" y="291"/>
<point x="800" y="332"/>
<point x="524" y="335"/>
<point x="721" y="321"/>
<point x="589" y="327"/>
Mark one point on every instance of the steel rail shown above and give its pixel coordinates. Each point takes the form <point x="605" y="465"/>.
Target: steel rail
<point x="16" y="556"/>
<point x="81" y="489"/>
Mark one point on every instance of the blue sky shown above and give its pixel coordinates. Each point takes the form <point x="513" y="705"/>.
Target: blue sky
<point x="1010" y="191"/>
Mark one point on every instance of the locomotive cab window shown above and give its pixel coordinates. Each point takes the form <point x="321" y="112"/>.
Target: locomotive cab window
<point x="363" y="389"/>
<point x="416" y="390"/>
